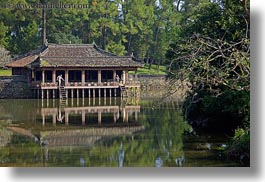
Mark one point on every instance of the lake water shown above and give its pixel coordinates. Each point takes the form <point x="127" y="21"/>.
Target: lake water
<point x="103" y="133"/>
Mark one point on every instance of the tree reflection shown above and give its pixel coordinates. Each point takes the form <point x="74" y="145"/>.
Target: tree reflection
<point x="161" y="144"/>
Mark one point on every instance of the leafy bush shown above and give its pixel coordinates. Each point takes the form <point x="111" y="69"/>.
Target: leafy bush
<point x="239" y="149"/>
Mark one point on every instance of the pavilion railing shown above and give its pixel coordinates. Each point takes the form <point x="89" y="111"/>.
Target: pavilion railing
<point x="39" y="84"/>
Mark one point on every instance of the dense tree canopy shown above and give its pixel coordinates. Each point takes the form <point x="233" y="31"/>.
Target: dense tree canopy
<point x="213" y="56"/>
<point x="144" y="28"/>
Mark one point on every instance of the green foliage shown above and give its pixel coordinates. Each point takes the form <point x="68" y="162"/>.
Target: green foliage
<point x="63" y="38"/>
<point x="117" y="49"/>
<point x="3" y="32"/>
<point x="239" y="148"/>
<point x="213" y="56"/>
<point x="123" y="28"/>
<point x="202" y="17"/>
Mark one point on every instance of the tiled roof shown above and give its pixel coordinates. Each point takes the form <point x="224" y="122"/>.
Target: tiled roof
<point x="89" y="62"/>
<point x="75" y="55"/>
<point x="22" y="62"/>
<point x="72" y="50"/>
<point x="26" y="59"/>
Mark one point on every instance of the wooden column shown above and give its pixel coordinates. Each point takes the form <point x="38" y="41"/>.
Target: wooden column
<point x="53" y="93"/>
<point x="54" y="76"/>
<point x="94" y="101"/>
<point x="105" y="93"/>
<point x="42" y="94"/>
<point x="126" y="76"/>
<point x="66" y="77"/>
<point x="42" y="76"/>
<point x="83" y="93"/>
<point x="99" y="76"/>
<point x="94" y="93"/>
<point x="83" y="77"/>
<point x="123" y="77"/>
<point x="114" y="75"/>
<point x="77" y="102"/>
<point x="72" y="93"/>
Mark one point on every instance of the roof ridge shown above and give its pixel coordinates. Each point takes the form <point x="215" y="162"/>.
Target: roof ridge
<point x="52" y="44"/>
<point x="103" y="51"/>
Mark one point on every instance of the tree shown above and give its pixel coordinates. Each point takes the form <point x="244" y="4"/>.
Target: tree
<point x="3" y="32"/>
<point x="105" y="27"/>
<point x="138" y="19"/>
<point x="4" y="57"/>
<point x="214" y="57"/>
<point x="63" y="38"/>
<point x="165" y="30"/>
<point x="72" y="22"/>
<point x="21" y="27"/>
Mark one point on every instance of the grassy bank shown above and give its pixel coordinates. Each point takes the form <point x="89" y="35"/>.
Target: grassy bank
<point x="5" y="72"/>
<point x="154" y="70"/>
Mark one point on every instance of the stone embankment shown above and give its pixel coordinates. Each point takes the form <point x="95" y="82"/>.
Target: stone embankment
<point x="159" y="87"/>
<point x="12" y="87"/>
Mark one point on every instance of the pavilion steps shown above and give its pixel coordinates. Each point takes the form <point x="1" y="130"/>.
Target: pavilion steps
<point x="62" y="93"/>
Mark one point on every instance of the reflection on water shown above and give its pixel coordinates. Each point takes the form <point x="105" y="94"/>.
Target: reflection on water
<point x="88" y="113"/>
<point x="101" y="132"/>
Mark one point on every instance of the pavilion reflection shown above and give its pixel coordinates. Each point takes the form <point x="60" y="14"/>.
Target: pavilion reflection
<point x="90" y="113"/>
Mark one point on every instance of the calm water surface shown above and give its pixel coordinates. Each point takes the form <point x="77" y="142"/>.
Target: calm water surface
<point x="103" y="132"/>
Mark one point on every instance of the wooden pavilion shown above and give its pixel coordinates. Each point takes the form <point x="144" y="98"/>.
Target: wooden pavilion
<point x="87" y="71"/>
